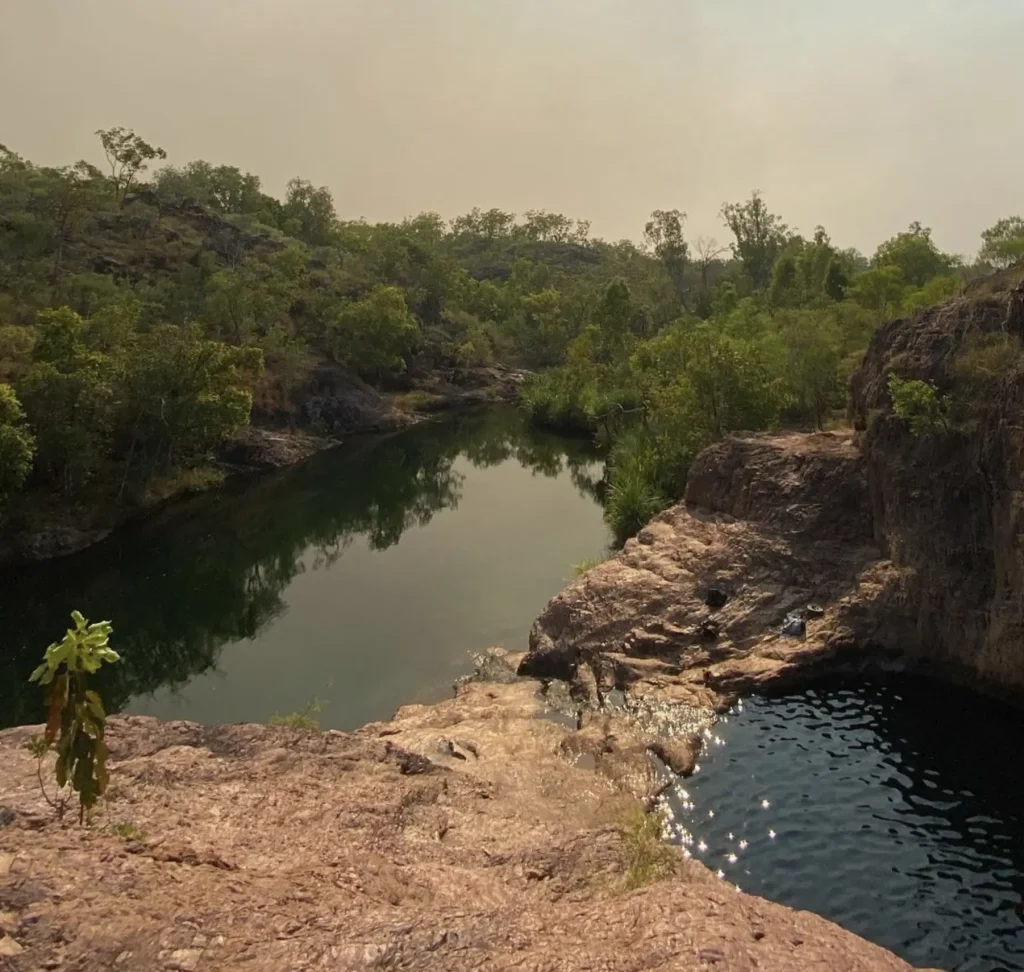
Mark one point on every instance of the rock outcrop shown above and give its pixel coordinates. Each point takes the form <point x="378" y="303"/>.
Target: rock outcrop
<point x="948" y="508"/>
<point x="868" y="547"/>
<point x="694" y="607"/>
<point x="258" y="450"/>
<point x="465" y="835"/>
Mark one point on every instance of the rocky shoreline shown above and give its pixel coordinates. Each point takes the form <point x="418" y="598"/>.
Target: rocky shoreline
<point x="485" y="832"/>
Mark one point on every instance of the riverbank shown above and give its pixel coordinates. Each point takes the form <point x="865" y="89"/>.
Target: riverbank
<point x="337" y="407"/>
<point x="477" y="833"/>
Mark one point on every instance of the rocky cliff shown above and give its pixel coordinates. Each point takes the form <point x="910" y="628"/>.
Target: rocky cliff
<point x="481" y="833"/>
<point x="947" y="506"/>
<point x="799" y="553"/>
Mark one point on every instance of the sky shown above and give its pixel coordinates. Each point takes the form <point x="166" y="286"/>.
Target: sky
<point x="858" y="116"/>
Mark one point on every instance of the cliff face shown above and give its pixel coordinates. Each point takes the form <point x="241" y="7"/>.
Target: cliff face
<point x="948" y="508"/>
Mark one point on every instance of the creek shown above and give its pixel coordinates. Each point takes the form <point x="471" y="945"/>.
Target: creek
<point x="364" y="578"/>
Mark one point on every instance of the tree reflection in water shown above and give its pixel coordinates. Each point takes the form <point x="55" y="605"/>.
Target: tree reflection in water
<point x="212" y="570"/>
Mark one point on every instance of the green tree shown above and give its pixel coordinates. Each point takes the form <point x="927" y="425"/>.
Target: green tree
<point x="185" y="394"/>
<point x="69" y="397"/>
<point x="813" y="341"/>
<point x="309" y="213"/>
<point x="915" y="254"/>
<point x="919" y="404"/>
<point x="544" y="330"/>
<point x="837" y="280"/>
<point x="127" y="155"/>
<point x="879" y="290"/>
<point x="374" y="335"/>
<point x="785" y="290"/>
<point x="224" y="188"/>
<point x="664" y="235"/>
<point x="760" y="236"/>
<point x="17" y="445"/>
<point x="1003" y="243"/>
<point x="938" y="290"/>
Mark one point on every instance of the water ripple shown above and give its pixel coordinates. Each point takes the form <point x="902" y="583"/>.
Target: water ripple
<point x="894" y="807"/>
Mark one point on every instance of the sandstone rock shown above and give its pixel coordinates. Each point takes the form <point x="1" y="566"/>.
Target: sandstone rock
<point x="513" y="858"/>
<point x="777" y="521"/>
<point x="261" y="449"/>
<point x="678" y="754"/>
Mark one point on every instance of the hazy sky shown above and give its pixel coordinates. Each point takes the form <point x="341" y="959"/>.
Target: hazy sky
<point x="861" y="116"/>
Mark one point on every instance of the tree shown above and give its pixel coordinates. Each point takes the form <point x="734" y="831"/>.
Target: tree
<point x="127" y="155"/>
<point x="785" y="290"/>
<point x="812" y="341"/>
<point x="17" y="445"/>
<point x="919" y="405"/>
<point x="544" y="331"/>
<point x="760" y="237"/>
<point x="374" y="334"/>
<point x="708" y="250"/>
<point x="879" y="290"/>
<point x="75" y="719"/>
<point x="309" y="213"/>
<point x="1004" y="242"/>
<point x="836" y="280"/>
<point x="72" y="194"/>
<point x="224" y="188"/>
<point x="915" y="255"/>
<point x="185" y="394"/>
<point x="664" y="235"/>
<point x="69" y="397"/>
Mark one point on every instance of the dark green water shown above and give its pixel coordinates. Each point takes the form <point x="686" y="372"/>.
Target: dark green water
<point x="364" y="578"/>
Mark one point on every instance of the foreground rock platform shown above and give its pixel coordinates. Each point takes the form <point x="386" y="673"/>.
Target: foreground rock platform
<point x="466" y="835"/>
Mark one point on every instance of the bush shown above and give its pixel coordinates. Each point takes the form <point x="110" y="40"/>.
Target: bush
<point x="919" y="405"/>
<point x="306" y="718"/>
<point x="648" y="857"/>
<point x="634" y="495"/>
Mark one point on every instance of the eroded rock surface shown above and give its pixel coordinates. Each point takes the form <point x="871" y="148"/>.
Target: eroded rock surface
<point x="459" y="836"/>
<point x="693" y="608"/>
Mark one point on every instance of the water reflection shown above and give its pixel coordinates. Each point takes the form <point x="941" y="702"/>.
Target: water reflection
<point x="893" y="807"/>
<point x="215" y="570"/>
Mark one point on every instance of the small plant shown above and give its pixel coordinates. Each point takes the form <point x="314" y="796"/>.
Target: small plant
<point x="306" y="718"/>
<point x="919" y="404"/>
<point x="648" y="857"/>
<point x="584" y="565"/>
<point x="126" y="830"/>
<point x="75" y="720"/>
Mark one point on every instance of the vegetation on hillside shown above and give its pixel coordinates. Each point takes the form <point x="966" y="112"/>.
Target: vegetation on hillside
<point x="147" y="315"/>
<point x="772" y="340"/>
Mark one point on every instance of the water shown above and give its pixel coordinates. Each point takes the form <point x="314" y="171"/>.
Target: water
<point x="364" y="578"/>
<point x="897" y="808"/>
<point x="367" y="576"/>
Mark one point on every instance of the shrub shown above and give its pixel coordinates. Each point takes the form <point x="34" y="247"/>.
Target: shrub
<point x="919" y="404"/>
<point x="75" y="719"/>
<point x="648" y="857"/>
<point x="306" y="718"/>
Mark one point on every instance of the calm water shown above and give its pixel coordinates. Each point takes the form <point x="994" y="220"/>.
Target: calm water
<point x="364" y="578"/>
<point x="897" y="808"/>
